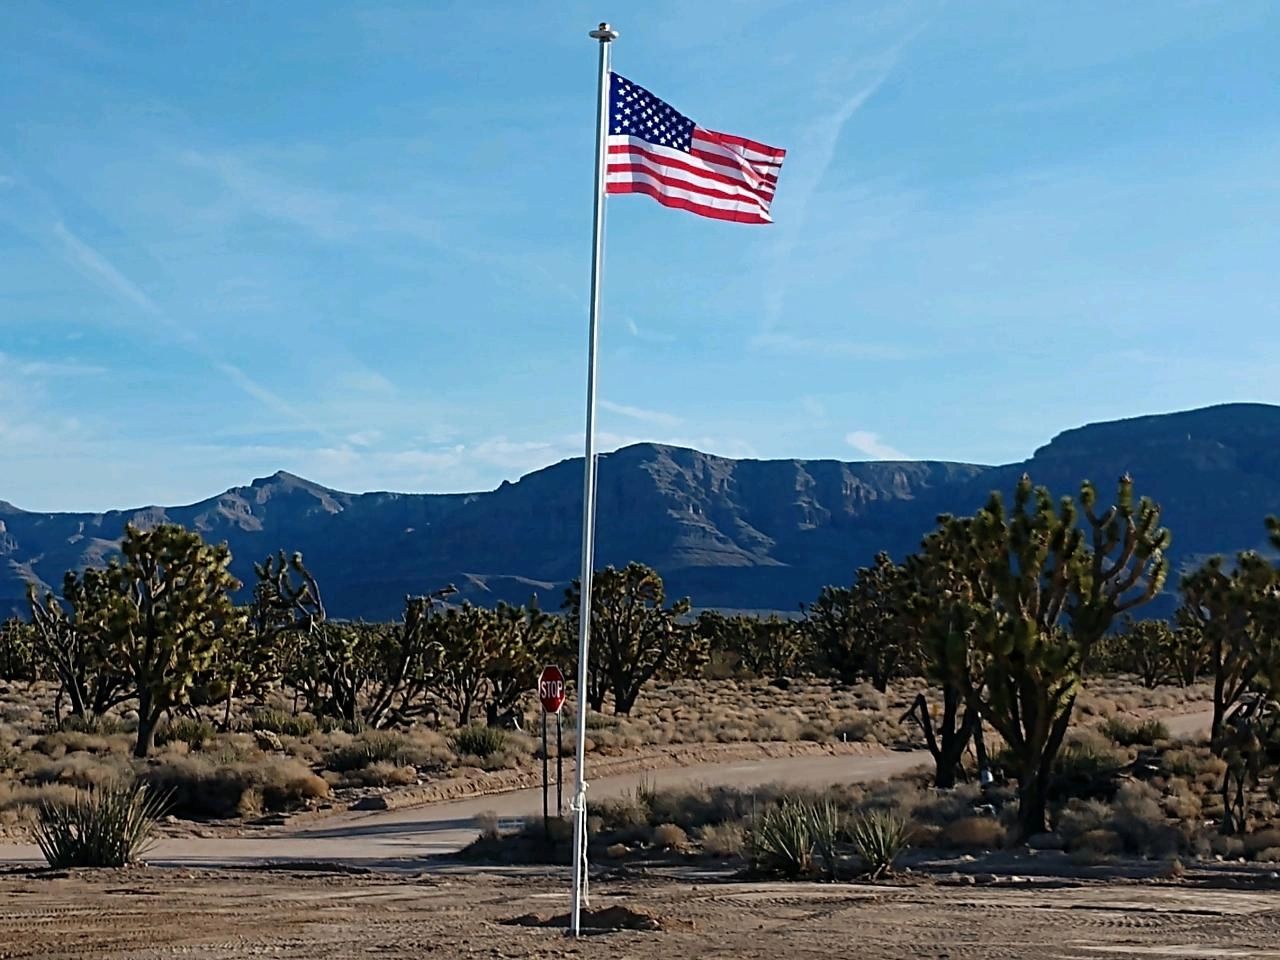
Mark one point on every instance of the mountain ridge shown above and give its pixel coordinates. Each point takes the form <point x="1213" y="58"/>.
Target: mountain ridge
<point x="734" y="533"/>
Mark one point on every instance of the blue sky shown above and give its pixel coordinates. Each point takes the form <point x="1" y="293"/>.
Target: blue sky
<point x="351" y="240"/>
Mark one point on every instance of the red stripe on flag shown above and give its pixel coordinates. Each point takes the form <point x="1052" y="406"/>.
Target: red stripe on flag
<point x="681" y="203"/>
<point x="667" y="161"/>
<point x="772" y="155"/>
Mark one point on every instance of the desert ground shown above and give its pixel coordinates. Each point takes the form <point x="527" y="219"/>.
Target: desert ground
<point x="381" y="883"/>
<point x="220" y="915"/>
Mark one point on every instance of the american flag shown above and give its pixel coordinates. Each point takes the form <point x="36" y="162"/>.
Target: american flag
<point x="656" y="150"/>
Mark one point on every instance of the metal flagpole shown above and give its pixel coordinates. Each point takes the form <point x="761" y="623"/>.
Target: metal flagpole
<point x="606" y="36"/>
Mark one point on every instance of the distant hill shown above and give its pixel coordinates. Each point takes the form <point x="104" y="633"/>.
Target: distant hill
<point x="740" y="534"/>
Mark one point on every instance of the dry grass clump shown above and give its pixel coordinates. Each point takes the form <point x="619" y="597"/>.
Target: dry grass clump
<point x="722" y="839"/>
<point x="974" y="833"/>
<point x="81" y="769"/>
<point x="668" y="836"/>
<point x="1130" y="733"/>
<point x="382" y="774"/>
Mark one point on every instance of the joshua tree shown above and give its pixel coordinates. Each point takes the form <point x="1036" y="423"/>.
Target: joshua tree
<point x="1233" y="611"/>
<point x="75" y="646"/>
<point x="762" y="646"/>
<point x="286" y="601"/>
<point x="852" y="628"/>
<point x="166" y="608"/>
<point x="634" y="636"/>
<point x="936" y="609"/>
<point x="17" y="650"/>
<point x="1147" y="649"/>
<point x="526" y="639"/>
<point x="1043" y="593"/>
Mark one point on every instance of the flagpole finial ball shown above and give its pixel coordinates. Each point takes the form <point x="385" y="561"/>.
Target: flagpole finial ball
<point x="604" y="34"/>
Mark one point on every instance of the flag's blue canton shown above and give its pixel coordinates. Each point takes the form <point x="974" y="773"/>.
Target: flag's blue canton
<point x="634" y="111"/>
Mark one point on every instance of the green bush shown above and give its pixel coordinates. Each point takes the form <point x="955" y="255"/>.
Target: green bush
<point x="479" y="741"/>
<point x="372" y="746"/>
<point x="284" y="722"/>
<point x="878" y="837"/>
<point x="108" y="826"/>
<point x="102" y="726"/>
<point x="1128" y="734"/>
<point x="190" y="730"/>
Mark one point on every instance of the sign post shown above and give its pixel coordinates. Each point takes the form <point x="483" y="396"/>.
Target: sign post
<point x="551" y="692"/>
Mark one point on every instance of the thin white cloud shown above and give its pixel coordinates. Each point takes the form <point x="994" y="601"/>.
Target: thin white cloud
<point x="820" y="346"/>
<point x="46" y="368"/>
<point x="95" y="265"/>
<point x="813" y="157"/>
<point x="365" y="380"/>
<point x="864" y="441"/>
<point x="814" y="407"/>
<point x="326" y="214"/>
<point x="648" y="336"/>
<point x="656" y="417"/>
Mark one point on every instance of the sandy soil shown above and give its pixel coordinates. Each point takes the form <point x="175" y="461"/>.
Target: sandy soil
<point x="223" y="914"/>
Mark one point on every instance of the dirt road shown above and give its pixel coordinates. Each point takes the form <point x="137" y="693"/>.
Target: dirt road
<point x="398" y="839"/>
<point x="235" y="915"/>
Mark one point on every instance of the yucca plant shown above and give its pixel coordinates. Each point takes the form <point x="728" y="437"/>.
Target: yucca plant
<point x="878" y="837"/>
<point x="782" y="839"/>
<point x="826" y="823"/>
<point x="107" y="826"/>
<point x="788" y="837"/>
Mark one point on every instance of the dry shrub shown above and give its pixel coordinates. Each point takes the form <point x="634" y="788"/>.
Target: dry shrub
<point x="250" y="803"/>
<point x="1092" y="705"/>
<point x="669" y="837"/>
<point x="776" y="726"/>
<point x="616" y="851"/>
<point x="1181" y="801"/>
<point x="58" y="744"/>
<point x="1269" y="855"/>
<point x="83" y="770"/>
<point x="21" y="799"/>
<point x="201" y="787"/>
<point x="1132" y="733"/>
<point x="904" y="797"/>
<point x="1099" y="841"/>
<point x="381" y="774"/>
<point x="856" y="728"/>
<point x="933" y="806"/>
<point x="925" y="835"/>
<point x="722" y="839"/>
<point x="1140" y="821"/>
<point x="417" y="747"/>
<point x="1193" y="762"/>
<point x="975" y="833"/>
<point x="1229" y="848"/>
<point x="625" y="815"/>
<point x="1256" y="842"/>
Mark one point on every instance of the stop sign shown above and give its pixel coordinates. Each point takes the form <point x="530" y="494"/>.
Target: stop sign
<point x="551" y="689"/>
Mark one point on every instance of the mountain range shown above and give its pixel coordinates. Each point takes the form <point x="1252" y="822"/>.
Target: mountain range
<point x="732" y="534"/>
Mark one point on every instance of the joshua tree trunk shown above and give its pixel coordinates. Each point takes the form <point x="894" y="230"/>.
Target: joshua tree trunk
<point x="947" y="751"/>
<point x="148" y="719"/>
